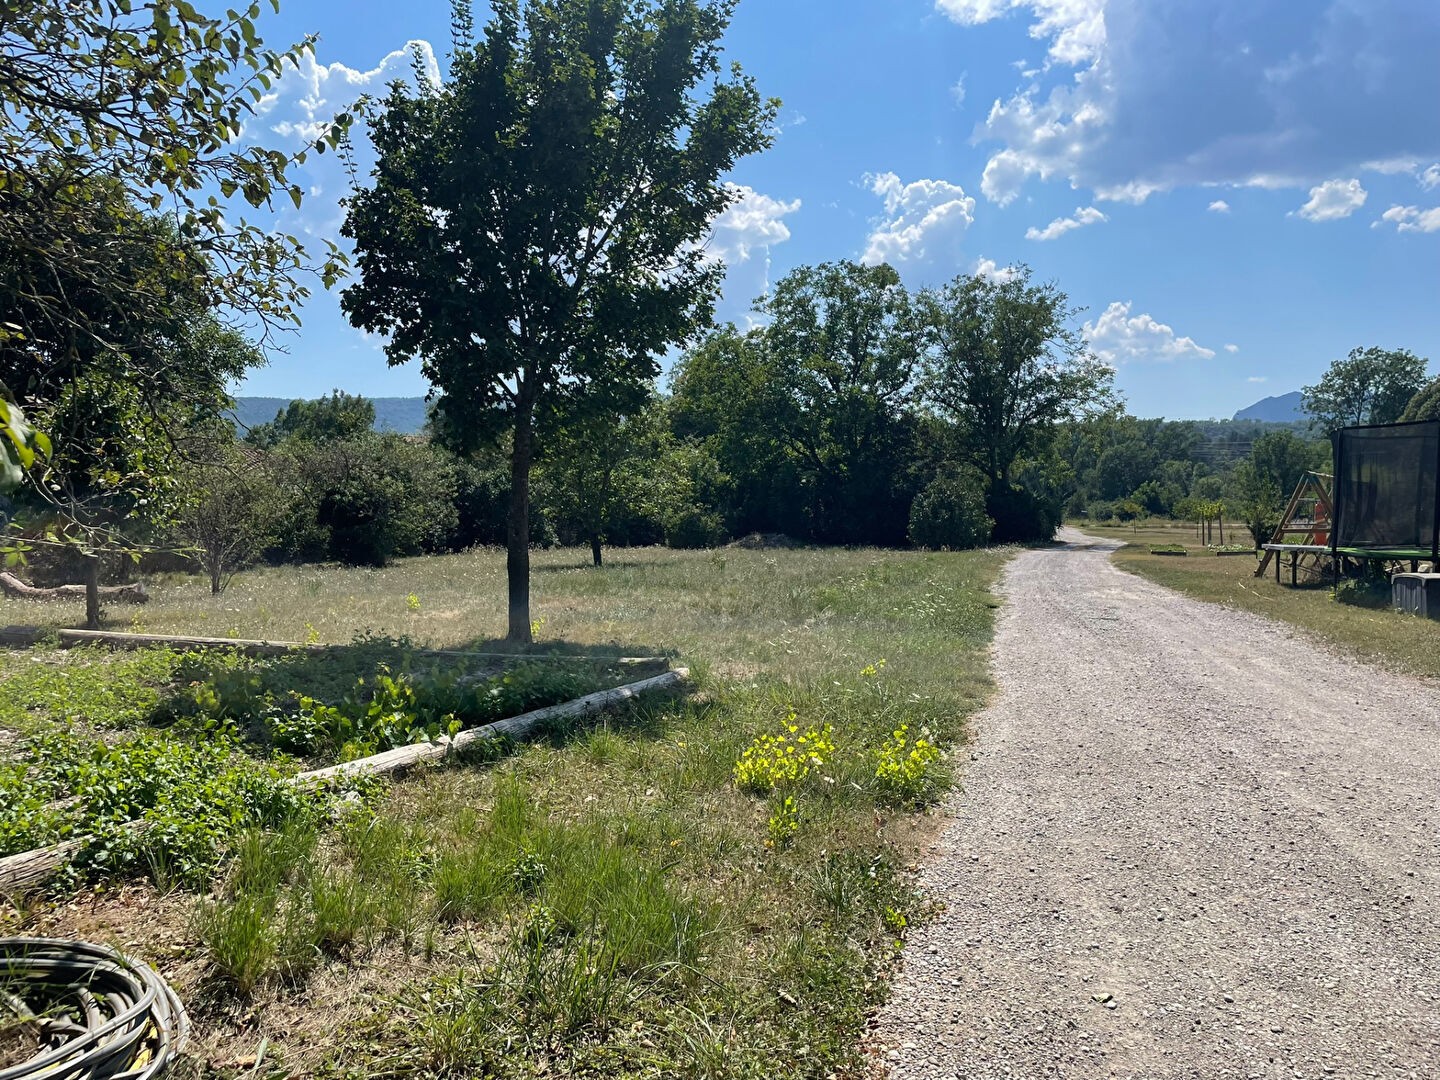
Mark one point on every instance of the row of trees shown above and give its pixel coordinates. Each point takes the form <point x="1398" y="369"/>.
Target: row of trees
<point x="534" y="233"/>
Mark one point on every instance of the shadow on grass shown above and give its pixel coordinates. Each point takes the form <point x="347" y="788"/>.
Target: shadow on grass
<point x="570" y="568"/>
<point x="260" y="695"/>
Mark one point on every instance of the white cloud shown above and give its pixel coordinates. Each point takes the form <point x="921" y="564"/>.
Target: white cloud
<point x="1232" y="348"/>
<point x="1257" y="379"/>
<point x="306" y="98"/>
<point x="987" y="268"/>
<point x="923" y="220"/>
<point x="1075" y="28"/>
<point x="753" y="223"/>
<point x="299" y="109"/>
<point x="1219" y="206"/>
<point x="1137" y="98"/>
<point x="1430" y="178"/>
<point x="1085" y="215"/>
<point x="957" y="92"/>
<point x="1118" y="338"/>
<point x="1333" y="200"/>
<point x="1411" y="219"/>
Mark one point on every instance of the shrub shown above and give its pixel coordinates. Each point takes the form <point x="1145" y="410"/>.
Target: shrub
<point x="1022" y="517"/>
<point x="693" y="527"/>
<point x="950" y="514"/>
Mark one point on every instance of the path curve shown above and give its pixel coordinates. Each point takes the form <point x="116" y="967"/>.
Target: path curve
<point x="1189" y="808"/>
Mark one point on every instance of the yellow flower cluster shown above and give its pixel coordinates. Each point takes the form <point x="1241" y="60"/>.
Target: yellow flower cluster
<point x="902" y="767"/>
<point x="783" y="760"/>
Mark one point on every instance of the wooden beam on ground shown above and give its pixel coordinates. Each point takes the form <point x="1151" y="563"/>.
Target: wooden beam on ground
<point x="122" y="594"/>
<point x="26" y="871"/>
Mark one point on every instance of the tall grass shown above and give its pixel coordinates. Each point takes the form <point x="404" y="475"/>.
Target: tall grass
<point x="606" y="901"/>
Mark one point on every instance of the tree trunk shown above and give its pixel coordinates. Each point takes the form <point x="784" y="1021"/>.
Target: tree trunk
<point x="92" y="592"/>
<point x="517" y="558"/>
<point x="216" y="575"/>
<point x="595" y="552"/>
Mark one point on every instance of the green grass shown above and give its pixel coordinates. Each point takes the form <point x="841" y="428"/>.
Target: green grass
<point x="1384" y="637"/>
<point x="607" y="901"/>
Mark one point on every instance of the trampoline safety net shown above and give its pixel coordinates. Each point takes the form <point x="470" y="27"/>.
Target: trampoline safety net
<point x="1386" y="481"/>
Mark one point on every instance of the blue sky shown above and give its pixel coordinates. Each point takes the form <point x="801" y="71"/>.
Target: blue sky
<point x="1237" y="192"/>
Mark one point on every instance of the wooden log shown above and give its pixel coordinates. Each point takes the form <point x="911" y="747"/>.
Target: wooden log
<point x="123" y="594"/>
<point x="28" y="870"/>
<point x="19" y="874"/>
<point x="515" y="727"/>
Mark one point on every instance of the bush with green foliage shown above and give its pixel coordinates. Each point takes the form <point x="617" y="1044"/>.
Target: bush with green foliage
<point x="1022" y="517"/>
<point x="192" y="796"/>
<point x="950" y="513"/>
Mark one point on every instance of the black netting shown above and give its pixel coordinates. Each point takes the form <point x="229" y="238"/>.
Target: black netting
<point x="1386" y="486"/>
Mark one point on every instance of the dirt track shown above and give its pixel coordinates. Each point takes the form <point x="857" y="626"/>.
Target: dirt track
<point x="1191" y="809"/>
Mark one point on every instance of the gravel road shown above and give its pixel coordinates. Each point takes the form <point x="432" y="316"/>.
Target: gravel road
<point x="1189" y="844"/>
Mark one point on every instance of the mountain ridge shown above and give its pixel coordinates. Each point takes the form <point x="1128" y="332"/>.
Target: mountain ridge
<point x="1282" y="409"/>
<point x="405" y="416"/>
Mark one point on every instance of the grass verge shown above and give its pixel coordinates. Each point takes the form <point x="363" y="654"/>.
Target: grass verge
<point x="1381" y="636"/>
<point x="616" y="901"/>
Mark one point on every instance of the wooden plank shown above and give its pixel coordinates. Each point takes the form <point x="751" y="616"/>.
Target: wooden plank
<point x="25" y="871"/>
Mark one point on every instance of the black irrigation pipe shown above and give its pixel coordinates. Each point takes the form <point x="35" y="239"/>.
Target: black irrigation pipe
<point x="92" y="1011"/>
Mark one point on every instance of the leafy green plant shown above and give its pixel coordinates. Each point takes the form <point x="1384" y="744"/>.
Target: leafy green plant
<point x="903" y="766"/>
<point x="785" y="759"/>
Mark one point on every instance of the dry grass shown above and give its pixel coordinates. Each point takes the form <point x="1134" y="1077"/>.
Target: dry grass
<point x="604" y="902"/>
<point x="1386" y="638"/>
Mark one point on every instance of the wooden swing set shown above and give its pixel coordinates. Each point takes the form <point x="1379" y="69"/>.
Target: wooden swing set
<point x="1304" y="531"/>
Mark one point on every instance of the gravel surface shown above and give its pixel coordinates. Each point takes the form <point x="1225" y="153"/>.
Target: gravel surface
<point x="1190" y="844"/>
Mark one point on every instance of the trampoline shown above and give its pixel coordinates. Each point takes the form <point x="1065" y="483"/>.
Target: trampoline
<point x="1387" y="492"/>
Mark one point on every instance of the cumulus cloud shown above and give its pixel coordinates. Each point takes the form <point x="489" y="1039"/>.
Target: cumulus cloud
<point x="306" y="98"/>
<point x="1219" y="206"/>
<point x="1075" y="29"/>
<point x="923" y="219"/>
<point x="1232" y="348"/>
<point x="1085" y="215"/>
<point x="1333" y="200"/>
<point x="1137" y="97"/>
<point x="753" y="224"/>
<point x="987" y="268"/>
<point x="1117" y="337"/>
<point x="299" y="109"/>
<point x="1257" y="379"/>
<point x="957" y="92"/>
<point x="1411" y="219"/>
<point x="1430" y="178"/>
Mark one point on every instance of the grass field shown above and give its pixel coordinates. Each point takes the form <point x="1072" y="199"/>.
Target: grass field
<point x="1391" y="640"/>
<point x="616" y="901"/>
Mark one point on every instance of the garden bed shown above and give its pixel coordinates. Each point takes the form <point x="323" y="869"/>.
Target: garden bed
<point x="154" y="760"/>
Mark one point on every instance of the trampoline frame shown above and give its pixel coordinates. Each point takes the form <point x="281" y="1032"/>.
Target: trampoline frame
<point x="1387" y="554"/>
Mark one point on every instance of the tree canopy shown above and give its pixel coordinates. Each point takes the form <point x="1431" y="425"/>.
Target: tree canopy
<point x="340" y="416"/>
<point x="1370" y="386"/>
<point x="149" y="98"/>
<point x="534" y="227"/>
<point x="1007" y="366"/>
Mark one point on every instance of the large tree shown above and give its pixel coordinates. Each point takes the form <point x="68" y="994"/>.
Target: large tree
<point x="842" y="346"/>
<point x="1370" y="386"/>
<point x="534" y="230"/>
<point x="1006" y="365"/>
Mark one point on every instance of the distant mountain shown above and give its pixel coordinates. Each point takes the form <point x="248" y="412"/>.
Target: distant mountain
<point x="1285" y="409"/>
<point x="399" y="414"/>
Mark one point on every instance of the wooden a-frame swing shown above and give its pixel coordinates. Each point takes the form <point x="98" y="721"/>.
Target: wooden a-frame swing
<point x="1310" y="514"/>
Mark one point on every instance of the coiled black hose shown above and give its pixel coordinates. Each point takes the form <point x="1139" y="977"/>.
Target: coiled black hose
<point x="94" y="1012"/>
